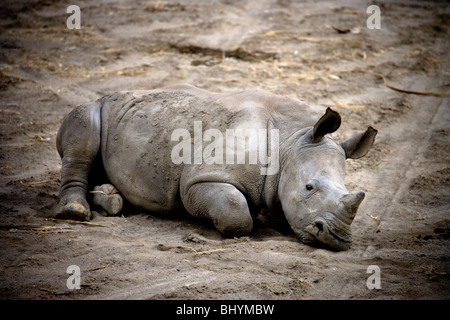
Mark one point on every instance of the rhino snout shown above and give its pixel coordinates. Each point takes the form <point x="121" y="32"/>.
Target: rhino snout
<point x="333" y="229"/>
<point x="330" y="231"/>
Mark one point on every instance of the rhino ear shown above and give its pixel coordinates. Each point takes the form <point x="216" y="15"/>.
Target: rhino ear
<point x="358" y="146"/>
<point x="329" y="123"/>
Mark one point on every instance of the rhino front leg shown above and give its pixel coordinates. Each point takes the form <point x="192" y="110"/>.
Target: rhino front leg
<point x="223" y="203"/>
<point x="78" y="143"/>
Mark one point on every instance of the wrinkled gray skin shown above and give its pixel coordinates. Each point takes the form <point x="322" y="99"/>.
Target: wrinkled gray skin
<point x="129" y="135"/>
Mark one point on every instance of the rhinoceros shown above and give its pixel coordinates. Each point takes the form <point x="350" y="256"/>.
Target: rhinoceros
<point x="172" y="150"/>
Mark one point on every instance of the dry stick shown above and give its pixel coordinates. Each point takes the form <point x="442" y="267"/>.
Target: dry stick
<point x="17" y="77"/>
<point x="25" y="227"/>
<point x="33" y="183"/>
<point x="205" y="252"/>
<point x="437" y="94"/>
<point x="86" y="223"/>
<point x="27" y="79"/>
<point x="98" y="268"/>
<point x="34" y="227"/>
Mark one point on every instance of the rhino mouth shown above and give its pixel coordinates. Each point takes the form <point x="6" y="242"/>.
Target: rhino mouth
<point x="333" y="233"/>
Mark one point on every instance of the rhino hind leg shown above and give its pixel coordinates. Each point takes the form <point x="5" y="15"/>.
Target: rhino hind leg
<point x="107" y="198"/>
<point x="78" y="143"/>
<point x="223" y="203"/>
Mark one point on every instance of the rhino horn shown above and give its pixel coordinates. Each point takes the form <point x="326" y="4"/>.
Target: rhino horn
<point x="349" y="206"/>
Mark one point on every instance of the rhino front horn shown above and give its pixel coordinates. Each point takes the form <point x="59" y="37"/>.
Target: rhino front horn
<point x="349" y="206"/>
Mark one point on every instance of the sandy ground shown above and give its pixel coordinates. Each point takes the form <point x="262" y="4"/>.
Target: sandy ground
<point x="287" y="47"/>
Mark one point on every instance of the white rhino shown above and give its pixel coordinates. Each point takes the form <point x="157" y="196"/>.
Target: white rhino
<point x="171" y="150"/>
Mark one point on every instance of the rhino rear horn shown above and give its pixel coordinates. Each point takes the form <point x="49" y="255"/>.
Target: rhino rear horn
<point x="328" y="123"/>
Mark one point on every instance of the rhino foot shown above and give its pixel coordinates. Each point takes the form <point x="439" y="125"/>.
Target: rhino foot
<point x="107" y="197"/>
<point x="73" y="208"/>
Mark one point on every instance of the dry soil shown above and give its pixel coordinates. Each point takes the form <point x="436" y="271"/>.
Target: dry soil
<point x="319" y="51"/>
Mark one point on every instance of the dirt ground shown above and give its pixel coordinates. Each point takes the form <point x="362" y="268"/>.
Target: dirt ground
<point x="319" y="51"/>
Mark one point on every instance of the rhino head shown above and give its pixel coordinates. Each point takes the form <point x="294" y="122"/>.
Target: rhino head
<point x="311" y="186"/>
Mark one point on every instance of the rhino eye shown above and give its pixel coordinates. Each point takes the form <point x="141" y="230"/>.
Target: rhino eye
<point x="309" y="187"/>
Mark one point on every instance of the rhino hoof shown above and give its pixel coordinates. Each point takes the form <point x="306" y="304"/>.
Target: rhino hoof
<point x="107" y="198"/>
<point x="73" y="210"/>
<point x="114" y="204"/>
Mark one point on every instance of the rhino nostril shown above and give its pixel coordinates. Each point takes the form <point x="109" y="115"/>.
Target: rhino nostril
<point x="319" y="225"/>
